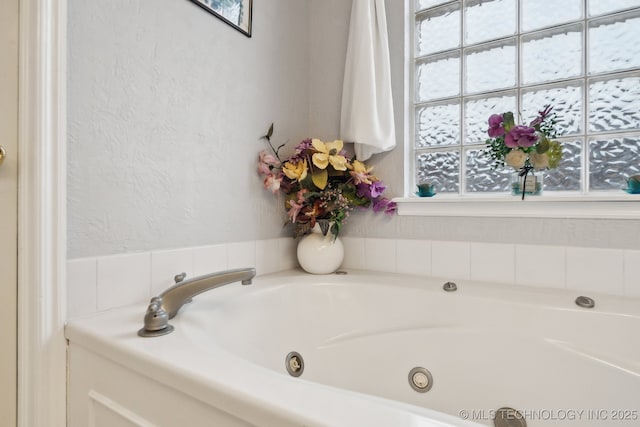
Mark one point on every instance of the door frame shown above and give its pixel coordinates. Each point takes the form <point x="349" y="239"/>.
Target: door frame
<point x="42" y="214"/>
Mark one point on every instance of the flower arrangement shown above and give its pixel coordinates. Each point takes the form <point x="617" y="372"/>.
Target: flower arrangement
<point x="524" y="147"/>
<point x="321" y="184"/>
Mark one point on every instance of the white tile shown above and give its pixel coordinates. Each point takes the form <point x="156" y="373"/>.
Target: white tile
<point x="596" y="270"/>
<point x="493" y="262"/>
<point x="81" y="287"/>
<point x="123" y="280"/>
<point x="209" y="259"/>
<point x="241" y="254"/>
<point x="540" y="266"/>
<point x="165" y="265"/>
<point x="451" y="260"/>
<point x="353" y="252"/>
<point x="268" y="256"/>
<point x="632" y="273"/>
<point x="413" y="257"/>
<point x="380" y="254"/>
<point x="288" y="253"/>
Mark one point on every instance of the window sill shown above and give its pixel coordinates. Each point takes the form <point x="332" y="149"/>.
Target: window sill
<point x="595" y="206"/>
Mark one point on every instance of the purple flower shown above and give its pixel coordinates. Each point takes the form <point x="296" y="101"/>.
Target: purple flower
<point x="363" y="190"/>
<point x="371" y="191"/>
<point x="541" y="115"/>
<point x="302" y="146"/>
<point x="495" y="125"/>
<point x="544" y="113"/>
<point x="381" y="204"/>
<point x="521" y="136"/>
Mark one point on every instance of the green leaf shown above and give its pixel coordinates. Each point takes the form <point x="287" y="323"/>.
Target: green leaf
<point x="269" y="134"/>
<point x="508" y="121"/>
<point x="324" y="225"/>
<point x="320" y="178"/>
<point x="555" y="154"/>
<point x="543" y="145"/>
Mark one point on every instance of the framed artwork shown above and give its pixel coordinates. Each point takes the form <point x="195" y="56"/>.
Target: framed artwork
<point x="236" y="13"/>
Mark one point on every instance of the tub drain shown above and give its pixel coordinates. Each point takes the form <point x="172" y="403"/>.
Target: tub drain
<point x="294" y="364"/>
<point x="420" y="380"/>
<point x="509" y="417"/>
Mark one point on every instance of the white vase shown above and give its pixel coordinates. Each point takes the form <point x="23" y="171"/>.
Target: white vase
<point x="320" y="254"/>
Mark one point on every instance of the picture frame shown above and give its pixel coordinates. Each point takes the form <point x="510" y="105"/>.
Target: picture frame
<point x="236" y="13"/>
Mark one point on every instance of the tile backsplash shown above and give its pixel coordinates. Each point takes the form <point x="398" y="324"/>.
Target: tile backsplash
<point x="103" y="283"/>
<point x="605" y="271"/>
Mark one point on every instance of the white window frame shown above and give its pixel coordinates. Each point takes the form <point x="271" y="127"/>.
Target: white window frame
<point x="584" y="205"/>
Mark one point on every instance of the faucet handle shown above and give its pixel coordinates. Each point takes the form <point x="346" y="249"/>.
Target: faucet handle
<point x="179" y="277"/>
<point x="156" y="320"/>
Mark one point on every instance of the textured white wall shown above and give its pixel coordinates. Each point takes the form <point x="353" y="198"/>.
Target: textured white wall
<point x="166" y="105"/>
<point x="325" y="106"/>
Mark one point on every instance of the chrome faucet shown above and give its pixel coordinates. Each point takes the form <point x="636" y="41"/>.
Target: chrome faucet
<point x="166" y="305"/>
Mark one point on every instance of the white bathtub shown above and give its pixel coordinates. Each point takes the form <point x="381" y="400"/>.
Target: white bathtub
<point x="486" y="346"/>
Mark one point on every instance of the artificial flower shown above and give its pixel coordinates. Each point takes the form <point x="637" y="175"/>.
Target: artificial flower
<point x="272" y="183"/>
<point x="295" y="206"/>
<point x="267" y="158"/>
<point x="495" y="125"/>
<point x="294" y="210"/>
<point x="295" y="171"/>
<point x="384" y="205"/>
<point x="524" y="148"/>
<point x="371" y="191"/>
<point x="515" y="158"/>
<point x="329" y="152"/>
<point x="521" y="136"/>
<point x="338" y="185"/>
<point x="266" y="162"/>
<point x="360" y="172"/>
<point x="542" y="115"/>
<point x="539" y="161"/>
<point x="263" y="168"/>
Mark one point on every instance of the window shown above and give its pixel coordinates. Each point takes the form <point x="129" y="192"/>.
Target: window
<point x="473" y="58"/>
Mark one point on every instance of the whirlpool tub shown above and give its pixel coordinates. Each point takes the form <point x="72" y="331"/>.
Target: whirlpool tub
<point x="356" y="339"/>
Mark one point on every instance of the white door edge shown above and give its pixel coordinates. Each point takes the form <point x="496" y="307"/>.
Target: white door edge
<point x="42" y="215"/>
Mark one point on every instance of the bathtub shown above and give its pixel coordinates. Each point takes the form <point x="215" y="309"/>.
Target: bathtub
<point x="485" y="346"/>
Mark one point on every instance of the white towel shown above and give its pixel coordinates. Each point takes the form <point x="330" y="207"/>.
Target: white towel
<point x="367" y="104"/>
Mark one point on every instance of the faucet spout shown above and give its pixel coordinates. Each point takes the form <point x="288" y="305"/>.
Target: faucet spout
<point x="166" y="305"/>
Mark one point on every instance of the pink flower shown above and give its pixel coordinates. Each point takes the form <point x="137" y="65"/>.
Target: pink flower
<point x="266" y="162"/>
<point x="495" y="125"/>
<point x="272" y="183"/>
<point x="294" y="210"/>
<point x="521" y="136"/>
<point x="267" y="158"/>
<point x="296" y="206"/>
<point x="541" y="116"/>
<point x="263" y="169"/>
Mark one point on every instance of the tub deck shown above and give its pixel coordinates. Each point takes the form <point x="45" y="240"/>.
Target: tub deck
<point x="487" y="346"/>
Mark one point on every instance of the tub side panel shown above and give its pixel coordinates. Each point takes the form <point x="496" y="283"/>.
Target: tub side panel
<point x="105" y="394"/>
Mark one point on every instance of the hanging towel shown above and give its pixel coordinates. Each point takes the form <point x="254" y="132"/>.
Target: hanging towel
<point x="367" y="105"/>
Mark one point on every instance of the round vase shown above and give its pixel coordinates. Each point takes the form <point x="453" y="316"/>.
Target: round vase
<point x="320" y="254"/>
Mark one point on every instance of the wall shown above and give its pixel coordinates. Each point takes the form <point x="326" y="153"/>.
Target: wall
<point x="166" y="105"/>
<point x="622" y="234"/>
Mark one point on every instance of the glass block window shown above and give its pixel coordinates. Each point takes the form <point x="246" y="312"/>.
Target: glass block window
<point x="474" y="58"/>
